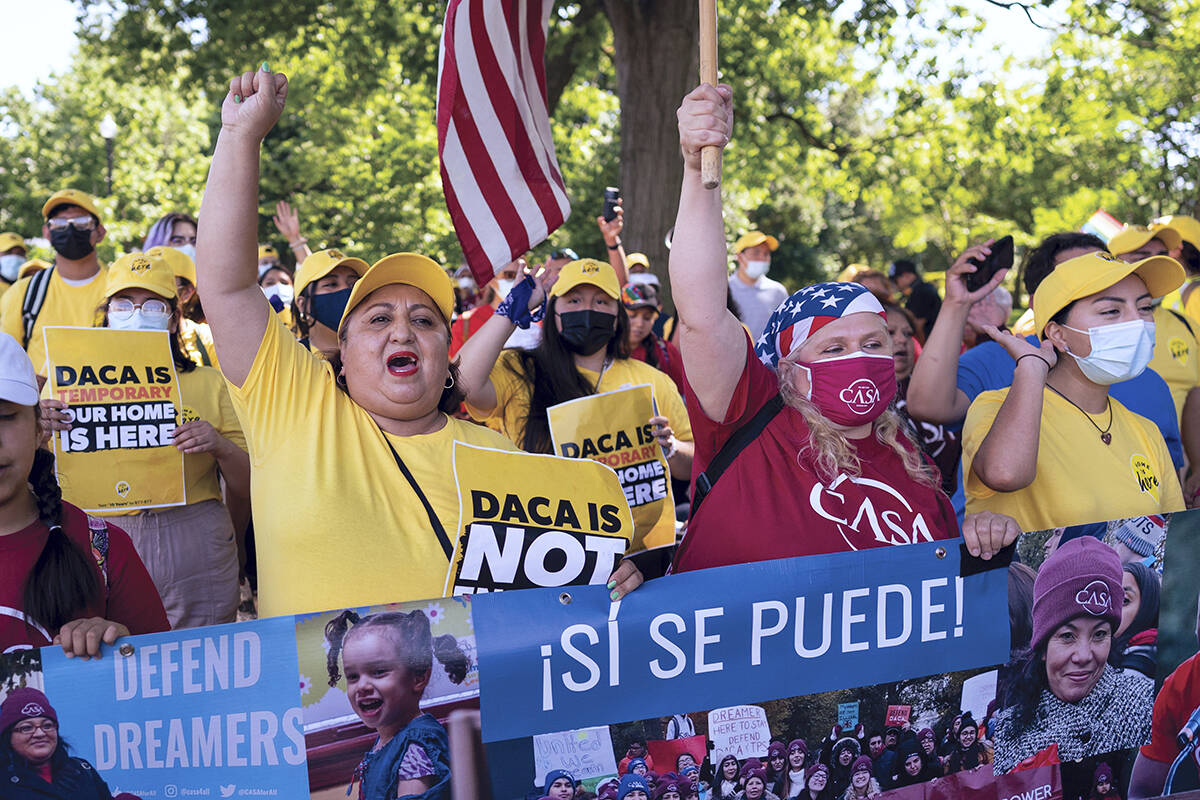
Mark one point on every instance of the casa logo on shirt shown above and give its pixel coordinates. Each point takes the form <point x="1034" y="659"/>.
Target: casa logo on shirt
<point x="876" y="511"/>
<point x="187" y="414"/>
<point x="861" y="396"/>
<point x="1179" y="349"/>
<point x="122" y="488"/>
<point x="1143" y="473"/>
<point x="1094" y="598"/>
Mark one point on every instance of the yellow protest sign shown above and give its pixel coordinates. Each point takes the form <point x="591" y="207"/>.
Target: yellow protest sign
<point x="613" y="428"/>
<point x="530" y="520"/>
<point x="123" y="396"/>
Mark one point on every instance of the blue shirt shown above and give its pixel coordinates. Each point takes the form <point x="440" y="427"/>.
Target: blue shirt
<point x="989" y="366"/>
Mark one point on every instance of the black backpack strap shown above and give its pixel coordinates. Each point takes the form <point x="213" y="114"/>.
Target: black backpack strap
<point x="742" y="437"/>
<point x="35" y="298"/>
<point x="1184" y="320"/>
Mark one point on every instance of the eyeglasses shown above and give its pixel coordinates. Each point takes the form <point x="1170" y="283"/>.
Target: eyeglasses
<point x="29" y="728"/>
<point x="123" y="309"/>
<point x="78" y="223"/>
<point x="175" y="241"/>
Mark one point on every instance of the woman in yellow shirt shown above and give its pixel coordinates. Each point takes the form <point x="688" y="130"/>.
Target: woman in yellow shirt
<point x="1055" y="449"/>
<point x="353" y="500"/>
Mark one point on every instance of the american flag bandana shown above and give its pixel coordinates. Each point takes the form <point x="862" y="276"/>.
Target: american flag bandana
<point x="806" y="312"/>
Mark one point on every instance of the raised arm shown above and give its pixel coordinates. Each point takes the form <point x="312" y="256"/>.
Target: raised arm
<point x="709" y="335"/>
<point x="227" y="243"/>
<point x="611" y="231"/>
<point x="933" y="393"/>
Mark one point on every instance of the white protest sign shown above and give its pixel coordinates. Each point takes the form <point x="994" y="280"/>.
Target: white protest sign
<point x="977" y="692"/>
<point x="585" y="753"/>
<point x="742" y="731"/>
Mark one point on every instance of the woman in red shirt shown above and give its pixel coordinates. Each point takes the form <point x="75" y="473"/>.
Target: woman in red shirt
<point x="65" y="578"/>
<point x="834" y="469"/>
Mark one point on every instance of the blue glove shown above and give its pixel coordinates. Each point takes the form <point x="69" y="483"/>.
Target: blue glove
<point x="515" y="307"/>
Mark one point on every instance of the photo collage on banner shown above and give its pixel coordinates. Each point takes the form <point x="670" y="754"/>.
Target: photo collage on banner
<point x="883" y="673"/>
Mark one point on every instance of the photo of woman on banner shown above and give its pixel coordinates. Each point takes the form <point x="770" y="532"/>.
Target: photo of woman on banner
<point x="1022" y="446"/>
<point x="387" y="659"/>
<point x="797" y="761"/>
<point x="1064" y="692"/>
<point x="831" y="456"/>
<point x="816" y="783"/>
<point x="34" y="761"/>
<point x="1135" y="641"/>
<point x="862" y="783"/>
<point x="970" y="750"/>
<point x="841" y="764"/>
<point x="727" y="781"/>
<point x="65" y="578"/>
<point x="191" y="551"/>
<point x="352" y="455"/>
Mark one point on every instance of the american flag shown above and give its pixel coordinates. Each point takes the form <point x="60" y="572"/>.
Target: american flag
<point x="499" y="172"/>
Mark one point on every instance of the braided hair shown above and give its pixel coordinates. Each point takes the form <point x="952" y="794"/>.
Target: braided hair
<point x="63" y="582"/>
<point x="412" y="636"/>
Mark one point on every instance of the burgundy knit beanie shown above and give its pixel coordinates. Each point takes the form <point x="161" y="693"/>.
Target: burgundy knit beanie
<point x="25" y="704"/>
<point x="1081" y="578"/>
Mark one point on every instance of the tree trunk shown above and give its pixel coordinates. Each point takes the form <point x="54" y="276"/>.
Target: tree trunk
<point x="655" y="51"/>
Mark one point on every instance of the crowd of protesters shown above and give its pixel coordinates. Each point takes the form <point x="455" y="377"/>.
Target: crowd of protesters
<point x="848" y="402"/>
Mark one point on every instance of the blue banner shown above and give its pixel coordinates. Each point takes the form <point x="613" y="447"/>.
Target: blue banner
<point x="208" y="712"/>
<point x="552" y="660"/>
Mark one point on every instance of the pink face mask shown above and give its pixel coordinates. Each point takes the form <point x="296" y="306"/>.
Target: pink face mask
<point x="852" y="390"/>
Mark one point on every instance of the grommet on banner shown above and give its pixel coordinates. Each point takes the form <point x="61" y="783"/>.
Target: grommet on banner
<point x="940" y="552"/>
<point x="565" y="598"/>
<point x="126" y="650"/>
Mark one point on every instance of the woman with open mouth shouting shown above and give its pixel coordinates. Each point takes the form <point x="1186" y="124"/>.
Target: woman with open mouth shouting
<point x="352" y="459"/>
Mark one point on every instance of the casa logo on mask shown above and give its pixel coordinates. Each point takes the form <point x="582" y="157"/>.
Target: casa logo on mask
<point x="139" y="265"/>
<point x="1179" y="349"/>
<point x="1143" y="473"/>
<point x="861" y="396"/>
<point x="1094" y="598"/>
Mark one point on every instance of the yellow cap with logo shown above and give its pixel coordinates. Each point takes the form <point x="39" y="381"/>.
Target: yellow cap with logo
<point x="179" y="262"/>
<point x="140" y="271"/>
<point x="754" y="239"/>
<point x="10" y="240"/>
<point x="323" y="262"/>
<point x="637" y="260"/>
<point x="410" y="269"/>
<point x="70" y="197"/>
<point x="587" y="271"/>
<point x="266" y="251"/>
<point x="1134" y="237"/>
<point x="1085" y="275"/>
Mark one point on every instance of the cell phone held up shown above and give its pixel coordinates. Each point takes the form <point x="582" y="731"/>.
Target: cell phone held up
<point x="1000" y="258"/>
<point x="612" y="196"/>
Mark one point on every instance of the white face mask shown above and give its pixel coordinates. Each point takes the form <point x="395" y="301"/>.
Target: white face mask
<point x="285" y="292"/>
<point x="10" y="265"/>
<point x="756" y="269"/>
<point x="189" y="249"/>
<point x="1119" y="352"/>
<point x="504" y="286"/>
<point x="140" y="321"/>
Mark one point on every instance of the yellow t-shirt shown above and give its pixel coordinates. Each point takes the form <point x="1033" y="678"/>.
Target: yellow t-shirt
<point x="65" y="305"/>
<point x="335" y="522"/>
<point x="4" y="287"/>
<point x="1079" y="479"/>
<point x="513" y="392"/>
<point x="1176" y="355"/>
<point x="198" y="343"/>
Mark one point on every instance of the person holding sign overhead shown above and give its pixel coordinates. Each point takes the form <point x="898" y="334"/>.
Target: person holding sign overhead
<point x="823" y="463"/>
<point x="1023" y="446"/>
<point x="351" y="496"/>
<point x="65" y="577"/>
<point x="191" y="550"/>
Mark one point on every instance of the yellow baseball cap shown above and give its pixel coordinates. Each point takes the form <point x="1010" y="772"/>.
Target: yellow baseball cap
<point x="1133" y="237"/>
<point x="179" y="262"/>
<point x="587" y="271"/>
<point x="140" y="271"/>
<point x="411" y="269"/>
<point x="1088" y="274"/>
<point x="637" y="259"/>
<point x="266" y="251"/>
<point x="10" y="240"/>
<point x="754" y="239"/>
<point x="323" y="262"/>
<point x="72" y="197"/>
<point x="31" y="266"/>
<point x="1187" y="227"/>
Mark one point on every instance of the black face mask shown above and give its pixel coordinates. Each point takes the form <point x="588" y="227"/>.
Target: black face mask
<point x="328" y="308"/>
<point x="585" y="332"/>
<point x="72" y="244"/>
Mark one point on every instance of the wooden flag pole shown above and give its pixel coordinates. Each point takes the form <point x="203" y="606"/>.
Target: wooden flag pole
<point x="710" y="156"/>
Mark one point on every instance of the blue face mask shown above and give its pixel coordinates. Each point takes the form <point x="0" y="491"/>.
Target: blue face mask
<point x="328" y="308"/>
